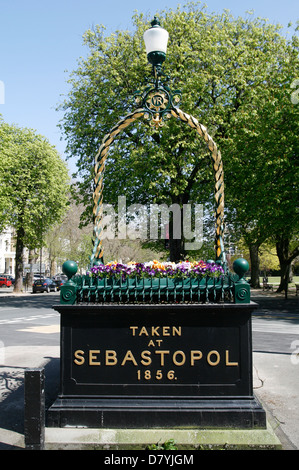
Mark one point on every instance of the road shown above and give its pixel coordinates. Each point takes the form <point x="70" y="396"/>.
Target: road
<point x="29" y="314"/>
<point x="275" y="333"/>
<point x="29" y="337"/>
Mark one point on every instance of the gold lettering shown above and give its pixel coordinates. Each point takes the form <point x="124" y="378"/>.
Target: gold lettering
<point x="93" y="357"/>
<point x="110" y="358"/>
<point x="178" y="357"/>
<point x="195" y="356"/>
<point x="227" y="363"/>
<point x="133" y="328"/>
<point x="177" y="331"/>
<point x="79" y="359"/>
<point x="146" y="360"/>
<point x="157" y="100"/>
<point x="215" y="363"/>
<point x="155" y="331"/>
<point x="129" y="357"/>
<point x="143" y="331"/>
<point x="162" y="354"/>
<point x="183" y="360"/>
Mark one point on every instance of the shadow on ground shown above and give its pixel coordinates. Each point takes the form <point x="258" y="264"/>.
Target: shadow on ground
<point x="12" y="407"/>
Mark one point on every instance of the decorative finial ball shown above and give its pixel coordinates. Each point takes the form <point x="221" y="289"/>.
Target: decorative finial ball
<point x="240" y="267"/>
<point x="69" y="268"/>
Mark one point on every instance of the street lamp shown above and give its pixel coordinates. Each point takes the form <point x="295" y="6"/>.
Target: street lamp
<point x="156" y="103"/>
<point x="156" y="39"/>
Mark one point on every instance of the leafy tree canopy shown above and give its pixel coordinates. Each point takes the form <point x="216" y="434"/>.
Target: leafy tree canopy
<point x="33" y="183"/>
<point x="234" y="75"/>
<point x="33" y="188"/>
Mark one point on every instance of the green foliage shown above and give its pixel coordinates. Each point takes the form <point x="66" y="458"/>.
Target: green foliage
<point x="235" y="76"/>
<point x="261" y="158"/>
<point x="67" y="241"/>
<point x="33" y="183"/>
<point x="168" y="445"/>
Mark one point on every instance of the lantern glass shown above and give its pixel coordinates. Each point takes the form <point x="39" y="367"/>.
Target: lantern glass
<point x="156" y="39"/>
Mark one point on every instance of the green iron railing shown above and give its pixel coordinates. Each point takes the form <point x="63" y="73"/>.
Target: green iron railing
<point x="85" y="289"/>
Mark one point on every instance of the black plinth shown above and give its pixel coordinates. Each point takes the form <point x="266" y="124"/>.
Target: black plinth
<point x="130" y="366"/>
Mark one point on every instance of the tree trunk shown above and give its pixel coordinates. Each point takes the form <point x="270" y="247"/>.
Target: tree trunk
<point x="176" y="250"/>
<point x="176" y="245"/>
<point x="32" y="260"/>
<point x="282" y="249"/>
<point x="255" y="265"/>
<point x="52" y="265"/>
<point x="18" y="286"/>
<point x="285" y="260"/>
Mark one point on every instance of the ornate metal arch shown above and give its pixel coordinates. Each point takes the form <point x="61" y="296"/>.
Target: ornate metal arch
<point x="157" y="105"/>
<point x="100" y="159"/>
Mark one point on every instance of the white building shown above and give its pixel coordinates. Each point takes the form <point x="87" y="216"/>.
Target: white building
<point x="7" y="252"/>
<point x="8" y="256"/>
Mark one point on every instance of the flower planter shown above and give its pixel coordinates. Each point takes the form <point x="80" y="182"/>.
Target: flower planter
<point x="149" y="290"/>
<point x="156" y="365"/>
<point x="142" y="284"/>
<point x="156" y="352"/>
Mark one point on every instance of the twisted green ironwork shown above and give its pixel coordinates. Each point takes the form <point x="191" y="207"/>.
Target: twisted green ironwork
<point x="218" y="175"/>
<point x="100" y="159"/>
<point x="156" y="104"/>
<point x="228" y="287"/>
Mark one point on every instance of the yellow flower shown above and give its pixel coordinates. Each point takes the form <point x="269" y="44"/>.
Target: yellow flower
<point x="158" y="265"/>
<point x="111" y="263"/>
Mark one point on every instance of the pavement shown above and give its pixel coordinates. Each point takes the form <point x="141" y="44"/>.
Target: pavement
<point x="275" y="384"/>
<point x="276" y="365"/>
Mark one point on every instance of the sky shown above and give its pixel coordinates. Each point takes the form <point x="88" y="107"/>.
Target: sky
<point x="41" y="43"/>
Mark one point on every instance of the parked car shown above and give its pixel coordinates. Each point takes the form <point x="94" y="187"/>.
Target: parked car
<point x="59" y="282"/>
<point x="5" y="282"/>
<point x="9" y="277"/>
<point x="44" y="285"/>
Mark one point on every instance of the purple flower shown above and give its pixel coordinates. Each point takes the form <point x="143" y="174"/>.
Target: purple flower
<point x="151" y="269"/>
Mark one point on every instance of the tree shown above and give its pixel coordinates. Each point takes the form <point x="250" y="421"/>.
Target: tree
<point x="33" y="188"/>
<point x="268" y="259"/>
<point x="218" y="63"/>
<point x="262" y="164"/>
<point x="67" y="240"/>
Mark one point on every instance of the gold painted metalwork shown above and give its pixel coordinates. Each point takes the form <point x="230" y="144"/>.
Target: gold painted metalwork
<point x="157" y="104"/>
